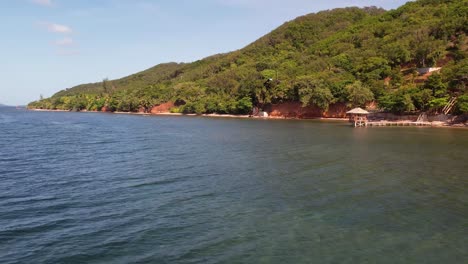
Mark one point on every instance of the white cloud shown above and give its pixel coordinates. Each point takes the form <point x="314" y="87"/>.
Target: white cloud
<point x="64" y="42"/>
<point x="56" y="28"/>
<point x="43" y="2"/>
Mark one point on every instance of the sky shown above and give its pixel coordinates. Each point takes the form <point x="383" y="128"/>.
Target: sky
<point x="50" y="45"/>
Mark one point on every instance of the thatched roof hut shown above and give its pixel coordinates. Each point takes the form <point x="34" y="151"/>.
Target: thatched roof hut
<point x="358" y="116"/>
<point x="357" y="111"/>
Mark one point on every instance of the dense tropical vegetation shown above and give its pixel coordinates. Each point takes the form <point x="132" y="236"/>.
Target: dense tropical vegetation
<point x="347" y="55"/>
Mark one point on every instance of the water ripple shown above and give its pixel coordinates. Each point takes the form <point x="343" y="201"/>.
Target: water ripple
<point x="102" y="188"/>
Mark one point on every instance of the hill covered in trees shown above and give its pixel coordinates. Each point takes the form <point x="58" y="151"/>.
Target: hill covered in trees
<point x="347" y="55"/>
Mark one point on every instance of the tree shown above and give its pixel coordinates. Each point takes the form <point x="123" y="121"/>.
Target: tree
<point x="422" y="99"/>
<point x="456" y="75"/>
<point x="462" y="104"/>
<point x="314" y="92"/>
<point x="427" y="49"/>
<point x="434" y="83"/>
<point x="358" y="94"/>
<point x="197" y="107"/>
<point x="397" y="53"/>
<point x="397" y="102"/>
<point x="437" y="104"/>
<point x="188" y="91"/>
<point x="374" y="68"/>
<point x="104" y="85"/>
<point x="244" y="105"/>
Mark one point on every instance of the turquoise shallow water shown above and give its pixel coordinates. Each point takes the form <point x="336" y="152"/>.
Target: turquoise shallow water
<point x="104" y="188"/>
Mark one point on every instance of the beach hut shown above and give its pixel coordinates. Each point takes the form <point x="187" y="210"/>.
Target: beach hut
<point x="358" y="116"/>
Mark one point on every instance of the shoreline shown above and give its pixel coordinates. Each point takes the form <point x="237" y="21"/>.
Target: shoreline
<point x="195" y="115"/>
<point x="434" y="124"/>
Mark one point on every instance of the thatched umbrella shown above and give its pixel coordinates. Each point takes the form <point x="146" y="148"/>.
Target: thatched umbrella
<point x="357" y="111"/>
<point x="358" y="116"/>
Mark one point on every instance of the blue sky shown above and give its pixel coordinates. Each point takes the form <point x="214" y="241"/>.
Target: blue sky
<point x="49" y="45"/>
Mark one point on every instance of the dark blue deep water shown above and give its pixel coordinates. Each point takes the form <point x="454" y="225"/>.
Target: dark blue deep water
<point x="106" y="188"/>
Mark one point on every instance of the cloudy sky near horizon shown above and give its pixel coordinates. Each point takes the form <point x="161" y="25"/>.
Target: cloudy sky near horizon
<point x="49" y="45"/>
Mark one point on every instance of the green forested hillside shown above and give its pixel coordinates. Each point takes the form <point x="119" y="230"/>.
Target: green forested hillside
<point x="348" y="55"/>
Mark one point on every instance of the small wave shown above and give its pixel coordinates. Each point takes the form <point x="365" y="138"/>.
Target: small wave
<point x="28" y="229"/>
<point x="69" y="125"/>
<point x="9" y="159"/>
<point x="49" y="207"/>
<point x="6" y="119"/>
<point x="104" y="142"/>
<point x="160" y="182"/>
<point x="28" y="199"/>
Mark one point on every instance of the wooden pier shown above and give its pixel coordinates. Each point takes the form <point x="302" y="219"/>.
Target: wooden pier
<point x="400" y="123"/>
<point x="358" y="117"/>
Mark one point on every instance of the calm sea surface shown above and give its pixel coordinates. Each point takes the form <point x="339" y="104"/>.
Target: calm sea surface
<point x="105" y="188"/>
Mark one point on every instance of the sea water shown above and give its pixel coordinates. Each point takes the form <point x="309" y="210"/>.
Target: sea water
<point x="107" y="188"/>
